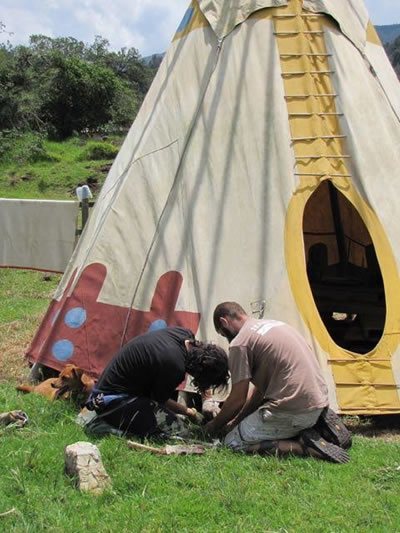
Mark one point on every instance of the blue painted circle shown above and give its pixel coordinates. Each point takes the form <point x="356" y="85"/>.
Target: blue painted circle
<point x="75" y="317"/>
<point x="158" y="324"/>
<point x="63" y="350"/>
<point x="187" y="17"/>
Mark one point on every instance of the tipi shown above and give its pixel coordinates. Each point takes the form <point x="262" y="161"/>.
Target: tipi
<point x="262" y="168"/>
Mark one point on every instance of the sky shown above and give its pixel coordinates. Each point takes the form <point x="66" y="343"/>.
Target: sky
<point x="147" y="25"/>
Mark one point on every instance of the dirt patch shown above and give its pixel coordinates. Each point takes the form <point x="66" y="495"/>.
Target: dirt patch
<point x="384" y="427"/>
<point x="15" y="339"/>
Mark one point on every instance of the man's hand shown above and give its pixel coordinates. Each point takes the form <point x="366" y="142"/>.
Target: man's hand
<point x="210" y="408"/>
<point x="232" y="406"/>
<point x="211" y="429"/>
<point x="180" y="409"/>
<point x="194" y="416"/>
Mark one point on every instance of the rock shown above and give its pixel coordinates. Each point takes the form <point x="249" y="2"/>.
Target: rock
<point x="14" y="418"/>
<point x="83" y="463"/>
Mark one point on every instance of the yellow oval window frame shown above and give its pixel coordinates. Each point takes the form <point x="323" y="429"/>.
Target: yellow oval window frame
<point x="294" y="249"/>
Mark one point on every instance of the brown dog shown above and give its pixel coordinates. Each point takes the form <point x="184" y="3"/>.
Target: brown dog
<point x="72" y="382"/>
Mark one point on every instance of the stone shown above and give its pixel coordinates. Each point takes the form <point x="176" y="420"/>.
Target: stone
<point x="14" y="418"/>
<point x="83" y="463"/>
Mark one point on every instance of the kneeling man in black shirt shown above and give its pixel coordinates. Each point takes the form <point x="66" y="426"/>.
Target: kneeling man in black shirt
<point x="134" y="392"/>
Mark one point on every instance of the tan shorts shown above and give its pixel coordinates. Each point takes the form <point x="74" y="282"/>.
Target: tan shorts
<point x="266" y="424"/>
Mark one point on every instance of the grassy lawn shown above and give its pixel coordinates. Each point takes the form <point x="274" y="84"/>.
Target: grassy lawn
<point x="219" y="491"/>
<point x="24" y="293"/>
<point x="24" y="297"/>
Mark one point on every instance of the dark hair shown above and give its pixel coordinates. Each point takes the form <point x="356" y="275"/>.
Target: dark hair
<point x="208" y="365"/>
<point x="231" y="309"/>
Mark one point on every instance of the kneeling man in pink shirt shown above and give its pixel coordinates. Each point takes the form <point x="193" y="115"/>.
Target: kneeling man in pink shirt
<point x="286" y="410"/>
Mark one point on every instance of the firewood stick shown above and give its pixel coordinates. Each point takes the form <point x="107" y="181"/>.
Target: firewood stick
<point x="145" y="448"/>
<point x="13" y="510"/>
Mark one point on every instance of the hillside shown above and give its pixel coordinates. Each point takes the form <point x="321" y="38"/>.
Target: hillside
<point x="32" y="166"/>
<point x="388" y="33"/>
<point x="153" y="61"/>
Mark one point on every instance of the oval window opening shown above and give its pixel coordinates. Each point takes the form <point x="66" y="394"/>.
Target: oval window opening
<point x="343" y="271"/>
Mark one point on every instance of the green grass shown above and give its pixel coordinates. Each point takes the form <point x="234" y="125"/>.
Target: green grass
<point x="24" y="296"/>
<point x="57" y="177"/>
<point x="24" y="293"/>
<point x="219" y="491"/>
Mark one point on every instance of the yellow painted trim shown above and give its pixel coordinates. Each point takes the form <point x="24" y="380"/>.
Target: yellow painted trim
<point x="267" y="12"/>
<point x="301" y="287"/>
<point x="357" y="377"/>
<point x="197" y="21"/>
<point x="372" y="35"/>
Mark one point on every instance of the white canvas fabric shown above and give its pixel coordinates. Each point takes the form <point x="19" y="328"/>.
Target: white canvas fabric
<point x="351" y="15"/>
<point x="37" y="234"/>
<point x="206" y="198"/>
<point x="225" y="16"/>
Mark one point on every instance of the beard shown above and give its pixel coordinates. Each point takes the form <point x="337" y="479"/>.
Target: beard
<point x="229" y="336"/>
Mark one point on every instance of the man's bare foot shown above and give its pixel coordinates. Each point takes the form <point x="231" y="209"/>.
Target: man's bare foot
<point x="309" y="444"/>
<point x="279" y="448"/>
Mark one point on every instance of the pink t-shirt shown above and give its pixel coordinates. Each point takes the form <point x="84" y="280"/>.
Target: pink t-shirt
<point x="279" y="362"/>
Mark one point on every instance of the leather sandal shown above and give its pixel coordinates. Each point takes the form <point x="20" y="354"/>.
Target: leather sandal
<point x="311" y="439"/>
<point x="331" y="427"/>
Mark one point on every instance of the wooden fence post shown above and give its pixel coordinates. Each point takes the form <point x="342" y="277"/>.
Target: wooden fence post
<point x="85" y="211"/>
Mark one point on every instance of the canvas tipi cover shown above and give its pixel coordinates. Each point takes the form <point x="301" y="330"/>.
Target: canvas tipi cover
<point x="262" y="168"/>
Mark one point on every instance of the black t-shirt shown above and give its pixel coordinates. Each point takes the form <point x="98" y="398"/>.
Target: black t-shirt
<point x="151" y="365"/>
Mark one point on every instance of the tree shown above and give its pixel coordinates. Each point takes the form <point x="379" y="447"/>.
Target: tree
<point x="125" y="106"/>
<point x="61" y="85"/>
<point x="78" y="96"/>
<point x="8" y="104"/>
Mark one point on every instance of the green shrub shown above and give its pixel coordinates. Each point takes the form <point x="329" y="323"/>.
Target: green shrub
<point x="42" y="185"/>
<point x="23" y="148"/>
<point x="8" y="142"/>
<point x="32" y="149"/>
<point x="95" y="151"/>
